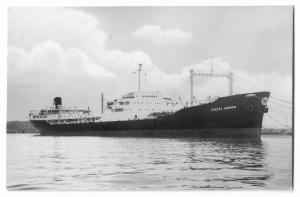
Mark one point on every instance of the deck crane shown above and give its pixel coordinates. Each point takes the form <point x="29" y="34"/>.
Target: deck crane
<point x="229" y="76"/>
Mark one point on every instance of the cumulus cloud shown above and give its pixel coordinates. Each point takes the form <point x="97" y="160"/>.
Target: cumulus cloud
<point x="50" y="58"/>
<point x="69" y="27"/>
<point x="156" y="35"/>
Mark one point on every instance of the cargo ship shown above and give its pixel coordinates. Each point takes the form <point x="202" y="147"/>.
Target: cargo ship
<point x="151" y="114"/>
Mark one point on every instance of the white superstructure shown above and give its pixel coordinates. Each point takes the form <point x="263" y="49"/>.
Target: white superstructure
<point x="139" y="105"/>
<point x="62" y="115"/>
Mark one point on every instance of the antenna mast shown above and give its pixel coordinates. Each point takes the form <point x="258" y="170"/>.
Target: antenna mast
<point x="139" y="70"/>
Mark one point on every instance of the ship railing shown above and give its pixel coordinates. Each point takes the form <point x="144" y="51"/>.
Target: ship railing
<point x="38" y="115"/>
<point x="73" y="121"/>
<point x="206" y="101"/>
<point x="54" y="117"/>
<point x="34" y="112"/>
<point x="66" y="108"/>
<point x="56" y="111"/>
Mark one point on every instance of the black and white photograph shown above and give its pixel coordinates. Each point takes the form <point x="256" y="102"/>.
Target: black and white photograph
<point x="150" y="98"/>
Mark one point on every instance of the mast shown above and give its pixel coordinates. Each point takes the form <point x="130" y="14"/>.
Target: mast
<point x="102" y="103"/>
<point x="230" y="79"/>
<point x="192" y="86"/>
<point x="139" y="70"/>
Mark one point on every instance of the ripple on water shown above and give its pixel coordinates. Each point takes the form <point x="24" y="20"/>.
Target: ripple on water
<point x="24" y="187"/>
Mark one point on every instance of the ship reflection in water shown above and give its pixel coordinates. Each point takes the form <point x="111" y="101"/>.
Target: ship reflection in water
<point x="103" y="163"/>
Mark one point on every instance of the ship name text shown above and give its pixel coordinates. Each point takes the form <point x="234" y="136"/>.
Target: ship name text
<point x="223" y="108"/>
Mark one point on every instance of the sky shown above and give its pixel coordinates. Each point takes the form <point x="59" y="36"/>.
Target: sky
<point x="78" y="53"/>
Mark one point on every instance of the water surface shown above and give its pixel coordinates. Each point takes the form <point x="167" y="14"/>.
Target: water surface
<point x="103" y="163"/>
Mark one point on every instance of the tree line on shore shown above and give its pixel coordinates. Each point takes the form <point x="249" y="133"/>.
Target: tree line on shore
<point x="19" y="127"/>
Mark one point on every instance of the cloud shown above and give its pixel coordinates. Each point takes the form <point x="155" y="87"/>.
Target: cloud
<point x="69" y="27"/>
<point x="49" y="58"/>
<point x="155" y="35"/>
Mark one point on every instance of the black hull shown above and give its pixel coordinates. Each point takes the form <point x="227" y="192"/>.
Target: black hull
<point x="237" y="116"/>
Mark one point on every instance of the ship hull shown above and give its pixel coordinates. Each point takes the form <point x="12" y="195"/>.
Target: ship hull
<point x="237" y="116"/>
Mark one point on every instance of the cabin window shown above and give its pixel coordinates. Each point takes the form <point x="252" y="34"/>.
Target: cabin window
<point x="118" y="110"/>
<point x="126" y="103"/>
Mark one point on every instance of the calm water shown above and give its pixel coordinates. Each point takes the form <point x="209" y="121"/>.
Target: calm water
<point x="102" y="163"/>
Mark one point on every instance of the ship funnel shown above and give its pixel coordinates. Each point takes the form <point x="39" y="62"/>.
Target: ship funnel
<point x="57" y="102"/>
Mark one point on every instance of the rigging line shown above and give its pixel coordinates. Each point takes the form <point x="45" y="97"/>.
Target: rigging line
<point x="284" y="101"/>
<point x="281" y="105"/>
<point x="277" y="120"/>
<point x="271" y="111"/>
